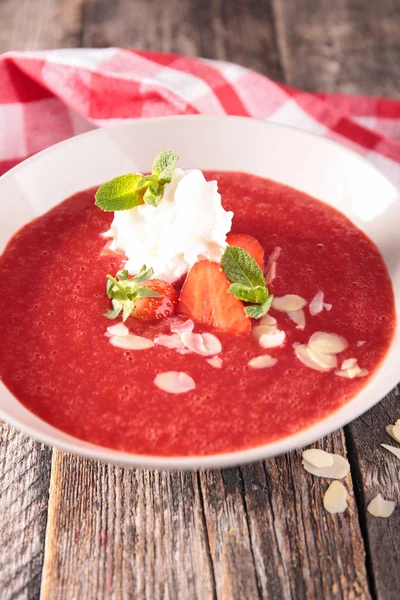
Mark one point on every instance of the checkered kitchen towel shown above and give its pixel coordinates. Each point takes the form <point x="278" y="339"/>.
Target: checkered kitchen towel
<point x="48" y="96"/>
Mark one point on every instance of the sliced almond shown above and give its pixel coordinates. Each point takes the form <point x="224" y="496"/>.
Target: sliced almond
<point x="304" y="356"/>
<point x="360" y="343"/>
<point x="327" y="343"/>
<point x="215" y="362"/>
<point x="288" y="303"/>
<point x="392" y="449"/>
<point x="328" y="361"/>
<point x="318" y="458"/>
<point x="170" y="341"/>
<point x="119" y="329"/>
<point x="270" y="274"/>
<point x="260" y="330"/>
<point x="396" y="432"/>
<point x="298" y="317"/>
<point x="335" y="498"/>
<point x="182" y="327"/>
<point x="379" y="507"/>
<point x="174" y="382"/>
<point x="267" y="320"/>
<point x="337" y="470"/>
<point x="205" y="344"/>
<point x="317" y="304"/>
<point x="131" y="342"/>
<point x="262" y="362"/>
<point x="272" y="340"/>
<point x="327" y="306"/>
<point x="275" y="255"/>
<point x="352" y="373"/>
<point x="349" y="363"/>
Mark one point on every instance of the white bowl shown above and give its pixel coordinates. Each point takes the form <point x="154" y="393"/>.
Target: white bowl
<point x="314" y="165"/>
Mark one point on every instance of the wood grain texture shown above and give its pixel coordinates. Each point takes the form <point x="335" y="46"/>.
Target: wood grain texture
<point x="237" y="30"/>
<point x="376" y="471"/>
<point x="24" y="485"/>
<point x="349" y="46"/>
<point x="270" y="536"/>
<point x="119" y="533"/>
<point x="40" y="24"/>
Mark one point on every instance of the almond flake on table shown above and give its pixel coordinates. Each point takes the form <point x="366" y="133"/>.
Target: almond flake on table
<point x="327" y="343"/>
<point x="335" y="498"/>
<point x="262" y="362"/>
<point x="288" y="303"/>
<point x="298" y="317"/>
<point x="215" y="362"/>
<point x="379" y="507"/>
<point x="174" y="382"/>
<point x="339" y="469"/>
<point x="394" y="431"/>
<point x="119" y="329"/>
<point x="318" y="458"/>
<point x="131" y="342"/>
<point x="392" y="449"/>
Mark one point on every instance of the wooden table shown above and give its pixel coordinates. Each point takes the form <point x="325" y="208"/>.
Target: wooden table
<point x="75" y="529"/>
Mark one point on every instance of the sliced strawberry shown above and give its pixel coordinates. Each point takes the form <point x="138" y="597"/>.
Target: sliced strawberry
<point x="150" y="309"/>
<point x="250" y="244"/>
<point x="205" y="299"/>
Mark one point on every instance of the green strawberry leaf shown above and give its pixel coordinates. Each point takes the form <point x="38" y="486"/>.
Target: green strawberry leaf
<point x="123" y="291"/>
<point x="163" y="166"/>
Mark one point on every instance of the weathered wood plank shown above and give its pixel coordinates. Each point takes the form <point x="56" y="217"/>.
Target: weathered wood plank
<point x="376" y="471"/>
<point x="119" y="533"/>
<point x="350" y="46"/>
<point x="41" y="24"/>
<point x="24" y="484"/>
<point x="270" y="536"/>
<point x="235" y="30"/>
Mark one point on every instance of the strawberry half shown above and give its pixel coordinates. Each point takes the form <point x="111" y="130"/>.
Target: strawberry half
<point x="250" y="244"/>
<point x="205" y="299"/>
<point x="151" y="309"/>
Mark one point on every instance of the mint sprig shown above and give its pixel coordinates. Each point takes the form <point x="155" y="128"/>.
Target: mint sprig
<point x="247" y="281"/>
<point x="127" y="191"/>
<point x="123" y="291"/>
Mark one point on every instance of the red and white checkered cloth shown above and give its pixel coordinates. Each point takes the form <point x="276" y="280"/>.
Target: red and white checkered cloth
<point x="48" y="96"/>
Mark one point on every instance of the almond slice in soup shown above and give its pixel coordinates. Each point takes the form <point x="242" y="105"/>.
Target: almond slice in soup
<point x="379" y="507"/>
<point x="182" y="326"/>
<point x="131" y="342"/>
<point x="349" y="363"/>
<point x="267" y="320"/>
<point x="288" y="303"/>
<point x="298" y="317"/>
<point x="215" y="362"/>
<point x="205" y="344"/>
<point x="262" y="362"/>
<point x="317" y="304"/>
<point x="260" y="330"/>
<point x="318" y="458"/>
<point x="174" y="382"/>
<point x="327" y="343"/>
<point x="303" y="355"/>
<point x="119" y="329"/>
<point x="327" y="361"/>
<point x="335" y="498"/>
<point x="272" y="341"/>
<point x="337" y="470"/>
<point x="172" y="341"/>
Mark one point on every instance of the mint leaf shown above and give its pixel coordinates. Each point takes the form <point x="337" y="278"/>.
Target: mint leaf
<point x="257" y="294"/>
<point x="240" y="267"/>
<point x="247" y="281"/>
<point x="154" y="193"/>
<point x="163" y="166"/>
<point x="121" y="193"/>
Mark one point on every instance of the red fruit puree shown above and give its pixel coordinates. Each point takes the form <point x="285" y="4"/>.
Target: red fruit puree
<point x="56" y="360"/>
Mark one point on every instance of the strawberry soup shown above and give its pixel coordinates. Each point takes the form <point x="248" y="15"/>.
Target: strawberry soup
<point x="276" y="353"/>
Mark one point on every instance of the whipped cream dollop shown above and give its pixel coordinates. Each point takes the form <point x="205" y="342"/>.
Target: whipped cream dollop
<point x="188" y="225"/>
